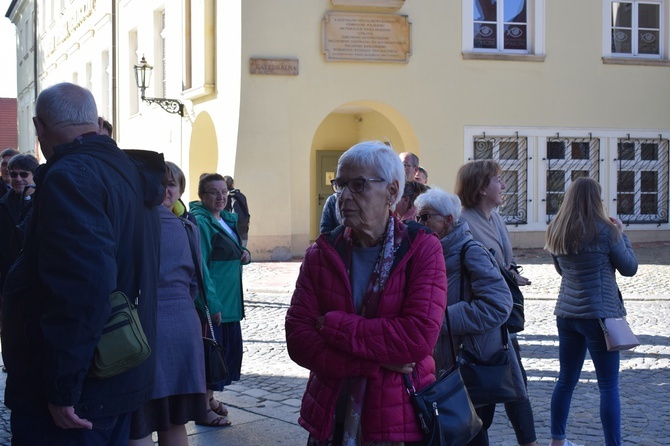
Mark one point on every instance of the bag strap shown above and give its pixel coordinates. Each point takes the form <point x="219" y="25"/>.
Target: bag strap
<point x="198" y="272"/>
<point x="464" y="271"/>
<point x="602" y="325"/>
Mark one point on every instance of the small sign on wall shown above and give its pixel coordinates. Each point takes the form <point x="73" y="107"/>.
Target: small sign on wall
<point x="329" y="176"/>
<point x="282" y="67"/>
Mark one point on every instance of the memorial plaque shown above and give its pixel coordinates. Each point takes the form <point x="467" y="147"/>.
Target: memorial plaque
<point x="286" y="67"/>
<point x="350" y="36"/>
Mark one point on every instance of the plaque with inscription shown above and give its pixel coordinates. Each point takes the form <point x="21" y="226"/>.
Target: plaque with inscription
<point x="351" y="36"/>
<point x="286" y="67"/>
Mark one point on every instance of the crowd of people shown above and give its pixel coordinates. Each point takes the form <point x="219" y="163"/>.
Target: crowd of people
<point x="402" y="279"/>
<point x="94" y="220"/>
<point x="383" y="312"/>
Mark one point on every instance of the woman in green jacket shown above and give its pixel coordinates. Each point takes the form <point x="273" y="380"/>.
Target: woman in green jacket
<point x="222" y="258"/>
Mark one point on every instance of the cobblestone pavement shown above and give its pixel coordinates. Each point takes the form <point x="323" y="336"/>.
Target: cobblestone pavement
<point x="272" y="385"/>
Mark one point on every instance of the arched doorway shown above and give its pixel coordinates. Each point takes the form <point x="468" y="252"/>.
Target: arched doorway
<point x="345" y="126"/>
<point x="203" y="153"/>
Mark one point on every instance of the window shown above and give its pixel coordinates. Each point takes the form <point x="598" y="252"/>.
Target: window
<point x="503" y="27"/>
<point x="636" y="32"/>
<point x="500" y="25"/>
<point x="511" y="154"/>
<point x="568" y="159"/>
<point x="636" y="29"/>
<point x="642" y="180"/>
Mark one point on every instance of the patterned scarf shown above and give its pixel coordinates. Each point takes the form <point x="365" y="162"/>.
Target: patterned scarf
<point x="378" y="278"/>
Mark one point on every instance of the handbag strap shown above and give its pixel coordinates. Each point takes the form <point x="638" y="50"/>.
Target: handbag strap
<point x="464" y="271"/>
<point x="602" y="325"/>
<point x="198" y="272"/>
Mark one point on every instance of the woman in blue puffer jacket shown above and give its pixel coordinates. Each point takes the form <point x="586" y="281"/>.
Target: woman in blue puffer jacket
<point x="587" y="247"/>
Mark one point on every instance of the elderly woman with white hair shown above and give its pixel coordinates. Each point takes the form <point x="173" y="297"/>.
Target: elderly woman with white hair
<point x="367" y="308"/>
<point x="477" y="312"/>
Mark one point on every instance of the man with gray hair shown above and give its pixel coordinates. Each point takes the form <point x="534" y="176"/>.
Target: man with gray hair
<point x="411" y="164"/>
<point x="93" y="229"/>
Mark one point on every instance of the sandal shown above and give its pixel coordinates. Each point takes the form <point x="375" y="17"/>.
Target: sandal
<point x="221" y="409"/>
<point x="219" y="421"/>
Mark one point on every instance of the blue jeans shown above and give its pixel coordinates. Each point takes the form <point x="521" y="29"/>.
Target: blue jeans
<point x="36" y="428"/>
<point x="574" y="337"/>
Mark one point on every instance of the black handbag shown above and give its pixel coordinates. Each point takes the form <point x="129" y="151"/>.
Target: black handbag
<point x="490" y="381"/>
<point x="216" y="369"/>
<point x="517" y="318"/>
<point x="446" y="414"/>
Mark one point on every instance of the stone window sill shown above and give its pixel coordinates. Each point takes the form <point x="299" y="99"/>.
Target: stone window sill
<point x="503" y="56"/>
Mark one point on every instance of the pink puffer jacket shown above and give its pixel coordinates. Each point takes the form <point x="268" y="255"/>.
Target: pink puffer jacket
<point x="406" y="329"/>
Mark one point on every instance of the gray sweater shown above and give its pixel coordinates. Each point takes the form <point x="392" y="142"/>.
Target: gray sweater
<point x="588" y="285"/>
<point x="492" y="232"/>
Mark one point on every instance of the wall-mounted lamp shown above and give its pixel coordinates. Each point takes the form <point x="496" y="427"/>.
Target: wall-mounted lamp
<point x="143" y="77"/>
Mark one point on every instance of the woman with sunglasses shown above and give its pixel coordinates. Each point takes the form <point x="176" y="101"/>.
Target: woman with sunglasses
<point x="222" y="258"/>
<point x="13" y="206"/>
<point x="367" y="308"/>
<point x="480" y="186"/>
<point x="479" y="309"/>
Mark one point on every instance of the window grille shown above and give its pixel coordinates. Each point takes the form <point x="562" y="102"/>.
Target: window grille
<point x="642" y="180"/>
<point x="512" y="155"/>
<point x="568" y="159"/>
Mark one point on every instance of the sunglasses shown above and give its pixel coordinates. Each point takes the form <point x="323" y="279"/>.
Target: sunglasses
<point x="422" y="218"/>
<point x="23" y="174"/>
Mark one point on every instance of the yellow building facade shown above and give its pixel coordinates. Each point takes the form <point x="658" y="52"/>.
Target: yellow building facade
<point x="274" y="91"/>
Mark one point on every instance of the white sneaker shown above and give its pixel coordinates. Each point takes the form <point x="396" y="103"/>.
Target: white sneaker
<point x="569" y="443"/>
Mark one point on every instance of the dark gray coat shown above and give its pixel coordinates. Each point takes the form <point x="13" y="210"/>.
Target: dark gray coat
<point x="588" y="285"/>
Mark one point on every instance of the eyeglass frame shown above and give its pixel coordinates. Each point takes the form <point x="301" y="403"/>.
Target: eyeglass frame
<point x="338" y="190"/>
<point x="216" y="193"/>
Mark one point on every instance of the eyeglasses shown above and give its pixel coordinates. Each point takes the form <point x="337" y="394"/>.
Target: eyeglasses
<point x="22" y="174"/>
<point x="355" y="185"/>
<point x="217" y="193"/>
<point x="408" y="165"/>
<point x="421" y="218"/>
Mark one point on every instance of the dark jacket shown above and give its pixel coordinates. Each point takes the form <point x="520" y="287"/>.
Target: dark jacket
<point x="93" y="229"/>
<point x="11" y="209"/>
<point x="330" y="218"/>
<point x="237" y="204"/>
<point x="588" y="286"/>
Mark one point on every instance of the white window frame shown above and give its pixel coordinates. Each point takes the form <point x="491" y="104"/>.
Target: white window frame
<point x="535" y="31"/>
<point x="664" y="33"/>
<point x="637" y="166"/>
<point x="537" y="138"/>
